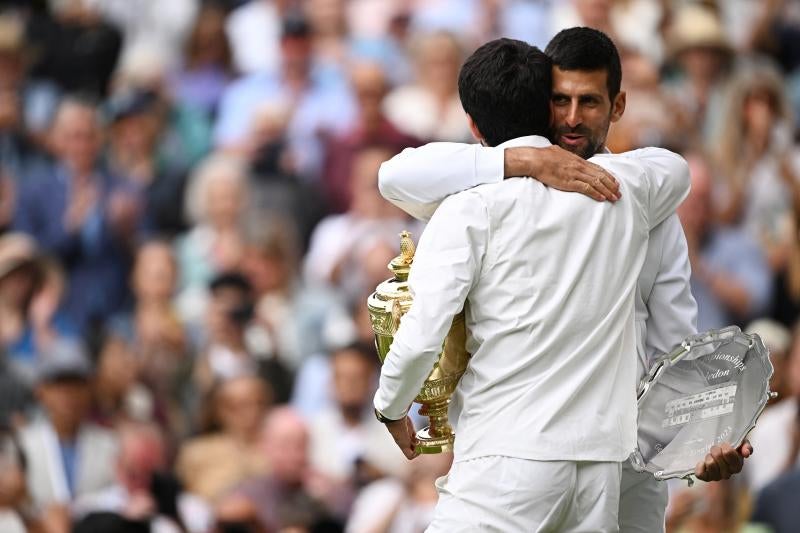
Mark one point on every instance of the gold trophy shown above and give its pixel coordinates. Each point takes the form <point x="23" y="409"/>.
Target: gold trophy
<point x="387" y="305"/>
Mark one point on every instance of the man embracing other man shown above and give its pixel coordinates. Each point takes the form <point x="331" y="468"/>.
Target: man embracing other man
<point x="548" y="280"/>
<point x="586" y="99"/>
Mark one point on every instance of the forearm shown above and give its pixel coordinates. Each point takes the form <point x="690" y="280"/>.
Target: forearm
<point x="402" y="375"/>
<point x="418" y="179"/>
<point x="521" y="161"/>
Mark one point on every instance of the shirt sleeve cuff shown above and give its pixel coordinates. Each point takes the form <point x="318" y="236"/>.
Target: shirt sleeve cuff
<point x="386" y="410"/>
<point x="489" y="165"/>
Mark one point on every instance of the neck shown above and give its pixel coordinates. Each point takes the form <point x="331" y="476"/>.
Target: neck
<point x="65" y="432"/>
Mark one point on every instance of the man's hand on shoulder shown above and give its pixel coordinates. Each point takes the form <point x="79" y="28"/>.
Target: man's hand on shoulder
<point x="723" y="461"/>
<point x="562" y="170"/>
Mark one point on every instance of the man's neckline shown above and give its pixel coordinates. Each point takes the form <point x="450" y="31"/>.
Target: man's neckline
<point x="535" y="141"/>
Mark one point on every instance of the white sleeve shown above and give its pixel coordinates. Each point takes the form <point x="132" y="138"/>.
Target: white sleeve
<point x="417" y="179"/>
<point x="668" y="180"/>
<point x="446" y="265"/>
<point x="672" y="309"/>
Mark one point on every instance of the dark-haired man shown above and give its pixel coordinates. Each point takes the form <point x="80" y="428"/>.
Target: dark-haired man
<point x="586" y="99"/>
<point x="547" y="406"/>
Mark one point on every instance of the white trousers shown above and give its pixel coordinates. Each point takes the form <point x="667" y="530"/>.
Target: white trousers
<point x="642" y="502"/>
<point x="508" y="495"/>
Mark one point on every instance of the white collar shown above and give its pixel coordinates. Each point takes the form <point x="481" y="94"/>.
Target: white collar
<point x="535" y="141"/>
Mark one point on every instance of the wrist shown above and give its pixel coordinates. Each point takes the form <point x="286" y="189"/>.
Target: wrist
<point x="383" y="419"/>
<point x="520" y="161"/>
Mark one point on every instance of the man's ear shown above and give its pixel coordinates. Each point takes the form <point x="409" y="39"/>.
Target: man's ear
<point x="474" y="129"/>
<point x="618" y="106"/>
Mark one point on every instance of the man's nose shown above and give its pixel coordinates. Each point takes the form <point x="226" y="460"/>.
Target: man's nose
<point x="573" y="116"/>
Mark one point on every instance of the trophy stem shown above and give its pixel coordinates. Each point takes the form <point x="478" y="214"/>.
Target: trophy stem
<point x="438" y="436"/>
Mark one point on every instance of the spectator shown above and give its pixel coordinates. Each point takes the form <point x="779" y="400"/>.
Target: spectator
<point x="133" y="156"/>
<point x="143" y="491"/>
<point x="293" y="320"/>
<point x="710" y="508"/>
<point x="777" y="434"/>
<point x="119" y="393"/>
<point x="214" y="203"/>
<point x="30" y="296"/>
<point x="430" y="108"/>
<point x="700" y="50"/>
<point x="207" y="67"/>
<point x="160" y="337"/>
<point x="371" y="129"/>
<point x="227" y="452"/>
<point x="225" y="353"/>
<point x="79" y="213"/>
<point x="730" y="276"/>
<point x="327" y="20"/>
<point x="761" y="167"/>
<point x="154" y="334"/>
<point x="67" y="455"/>
<point x="275" y="189"/>
<point x="78" y="49"/>
<point x="291" y="495"/>
<point x="648" y="118"/>
<point x="350" y="251"/>
<point x="320" y="101"/>
<point x="778" y="340"/>
<point x="396" y="505"/>
<point x="161" y="27"/>
<point x="348" y="444"/>
<point x="254" y="30"/>
<point x="183" y="131"/>
<point x="19" y="156"/>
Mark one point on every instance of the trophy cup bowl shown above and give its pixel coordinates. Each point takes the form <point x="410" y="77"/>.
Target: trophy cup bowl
<point x="387" y="305"/>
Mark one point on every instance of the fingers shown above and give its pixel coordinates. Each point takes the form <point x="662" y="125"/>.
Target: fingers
<point x="708" y="469"/>
<point x="595" y="182"/>
<point x="412" y="433"/>
<point x="721" y="462"/>
<point x="603" y="182"/>
<point x="746" y="449"/>
<point x="733" y="459"/>
<point x="404" y="436"/>
<point x="722" y="454"/>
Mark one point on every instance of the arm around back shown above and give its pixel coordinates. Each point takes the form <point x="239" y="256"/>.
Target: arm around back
<point x="417" y="180"/>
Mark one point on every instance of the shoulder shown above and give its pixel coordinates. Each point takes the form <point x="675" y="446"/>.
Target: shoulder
<point x="469" y="203"/>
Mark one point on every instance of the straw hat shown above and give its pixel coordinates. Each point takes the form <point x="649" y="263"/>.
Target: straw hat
<point x="696" y="26"/>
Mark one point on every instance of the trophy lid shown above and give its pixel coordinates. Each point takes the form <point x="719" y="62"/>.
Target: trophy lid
<point x="400" y="266"/>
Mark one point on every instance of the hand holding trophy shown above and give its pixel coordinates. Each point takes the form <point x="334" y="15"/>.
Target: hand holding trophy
<point x="387" y="305"/>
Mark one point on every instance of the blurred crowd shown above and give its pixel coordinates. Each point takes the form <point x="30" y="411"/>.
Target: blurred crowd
<point x="190" y="224"/>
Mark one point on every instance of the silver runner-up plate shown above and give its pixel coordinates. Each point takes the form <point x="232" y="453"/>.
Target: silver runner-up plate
<point x="711" y="389"/>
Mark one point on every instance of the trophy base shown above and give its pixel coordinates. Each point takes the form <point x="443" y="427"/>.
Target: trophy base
<point x="428" y="444"/>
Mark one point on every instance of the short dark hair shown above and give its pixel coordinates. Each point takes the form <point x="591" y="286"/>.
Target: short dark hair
<point x="505" y="87"/>
<point x="587" y="49"/>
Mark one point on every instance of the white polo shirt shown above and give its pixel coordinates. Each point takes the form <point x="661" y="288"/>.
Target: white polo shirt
<point x="549" y="282"/>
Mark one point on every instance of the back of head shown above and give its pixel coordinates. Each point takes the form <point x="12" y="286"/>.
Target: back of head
<point x="505" y="87"/>
<point x="587" y="49"/>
